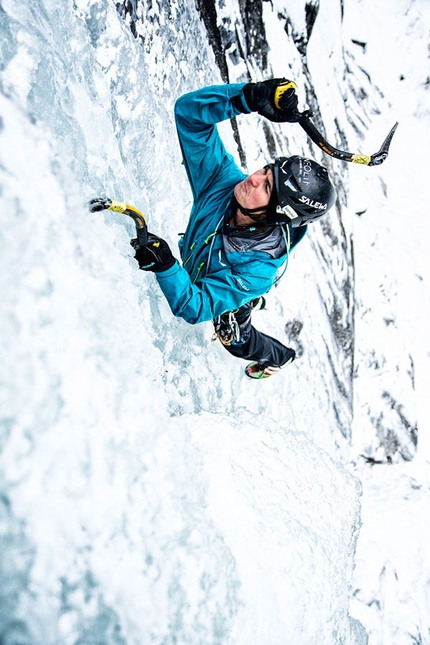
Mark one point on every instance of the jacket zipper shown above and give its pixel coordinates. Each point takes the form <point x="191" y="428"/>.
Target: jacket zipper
<point x="192" y="249"/>
<point x="199" y="268"/>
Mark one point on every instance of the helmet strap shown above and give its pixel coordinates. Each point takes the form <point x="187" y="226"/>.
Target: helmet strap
<point x="256" y="214"/>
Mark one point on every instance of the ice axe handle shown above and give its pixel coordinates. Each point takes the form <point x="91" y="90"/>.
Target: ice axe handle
<point x="142" y="234"/>
<point x="105" y="203"/>
<point x="367" y="160"/>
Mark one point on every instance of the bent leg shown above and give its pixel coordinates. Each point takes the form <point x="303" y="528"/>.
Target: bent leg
<point x="263" y="349"/>
<point x="256" y="346"/>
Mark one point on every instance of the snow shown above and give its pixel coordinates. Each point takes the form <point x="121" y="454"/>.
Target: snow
<point x="149" y="493"/>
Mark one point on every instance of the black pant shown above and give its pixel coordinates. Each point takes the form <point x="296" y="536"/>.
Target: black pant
<point x="256" y="346"/>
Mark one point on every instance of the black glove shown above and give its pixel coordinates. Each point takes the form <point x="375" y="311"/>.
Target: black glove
<point x="275" y="99"/>
<point x="155" y="255"/>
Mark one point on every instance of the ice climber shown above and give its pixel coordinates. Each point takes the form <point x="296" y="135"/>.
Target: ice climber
<point x="241" y="228"/>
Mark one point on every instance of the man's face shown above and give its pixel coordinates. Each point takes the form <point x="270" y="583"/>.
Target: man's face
<point x="255" y="190"/>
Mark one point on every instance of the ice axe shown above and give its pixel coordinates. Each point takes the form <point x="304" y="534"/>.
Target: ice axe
<point x="104" y="203"/>
<point x="308" y="126"/>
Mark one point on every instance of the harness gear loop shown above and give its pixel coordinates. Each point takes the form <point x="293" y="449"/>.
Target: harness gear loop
<point x="226" y="328"/>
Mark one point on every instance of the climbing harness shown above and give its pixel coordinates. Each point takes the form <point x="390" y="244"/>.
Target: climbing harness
<point x="227" y="328"/>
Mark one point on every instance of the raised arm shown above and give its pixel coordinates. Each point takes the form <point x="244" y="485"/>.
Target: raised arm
<point x="205" y="157"/>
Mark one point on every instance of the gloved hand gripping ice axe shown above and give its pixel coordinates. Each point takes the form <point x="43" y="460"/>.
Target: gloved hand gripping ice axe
<point x="304" y="120"/>
<point x="104" y="203"/>
<point x="151" y="252"/>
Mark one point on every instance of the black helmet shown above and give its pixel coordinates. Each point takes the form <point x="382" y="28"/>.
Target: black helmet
<point x="302" y="191"/>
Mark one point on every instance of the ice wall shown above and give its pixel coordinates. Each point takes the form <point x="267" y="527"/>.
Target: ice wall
<point x="149" y="493"/>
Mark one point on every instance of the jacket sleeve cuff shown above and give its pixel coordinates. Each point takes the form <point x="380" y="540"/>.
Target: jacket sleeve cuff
<point x="239" y="102"/>
<point x="169" y="272"/>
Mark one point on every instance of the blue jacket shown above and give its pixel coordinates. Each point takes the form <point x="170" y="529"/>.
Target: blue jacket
<point x="215" y="276"/>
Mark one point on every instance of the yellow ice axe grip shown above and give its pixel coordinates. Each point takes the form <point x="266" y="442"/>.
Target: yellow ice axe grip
<point x="105" y="203"/>
<point x="283" y="87"/>
<point x="363" y="159"/>
<point x="118" y="207"/>
<point x="127" y="209"/>
<point x="121" y="207"/>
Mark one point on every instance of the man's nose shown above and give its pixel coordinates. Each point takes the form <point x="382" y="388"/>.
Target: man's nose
<point x="256" y="179"/>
